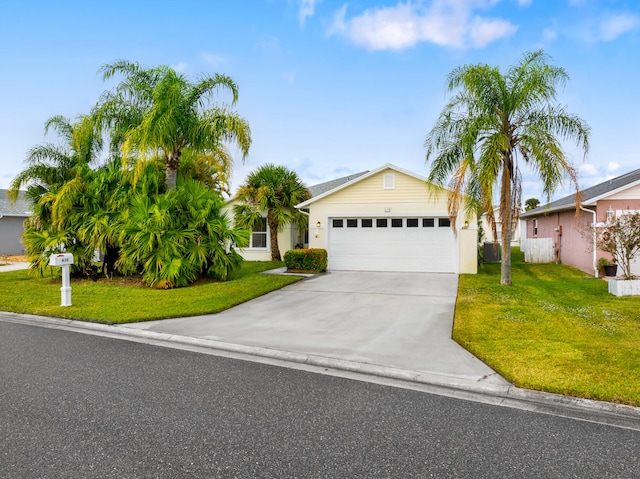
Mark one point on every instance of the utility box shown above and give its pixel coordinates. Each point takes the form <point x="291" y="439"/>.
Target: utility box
<point x="62" y="259"/>
<point x="491" y="255"/>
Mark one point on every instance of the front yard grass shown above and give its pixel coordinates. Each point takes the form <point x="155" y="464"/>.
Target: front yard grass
<point x="126" y="301"/>
<point x="556" y="329"/>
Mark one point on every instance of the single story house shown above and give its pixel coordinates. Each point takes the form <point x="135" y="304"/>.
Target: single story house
<point x="290" y="237"/>
<point x="387" y="220"/>
<point x="568" y="233"/>
<point x="12" y="217"/>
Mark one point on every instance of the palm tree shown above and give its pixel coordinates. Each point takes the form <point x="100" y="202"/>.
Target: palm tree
<point x="54" y="176"/>
<point x="493" y="121"/>
<point x="51" y="165"/>
<point x="531" y="204"/>
<point x="159" y="112"/>
<point x="274" y="190"/>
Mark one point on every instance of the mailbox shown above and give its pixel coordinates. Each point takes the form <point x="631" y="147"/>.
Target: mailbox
<point x="62" y="259"/>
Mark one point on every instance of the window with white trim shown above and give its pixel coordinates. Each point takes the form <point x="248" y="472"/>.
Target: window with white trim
<point x="389" y="181"/>
<point x="259" y="234"/>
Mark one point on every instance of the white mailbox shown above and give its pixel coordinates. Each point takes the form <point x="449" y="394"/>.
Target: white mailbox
<point x="62" y="259"/>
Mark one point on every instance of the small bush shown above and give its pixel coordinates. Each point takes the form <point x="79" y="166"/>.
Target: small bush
<point x="311" y="259"/>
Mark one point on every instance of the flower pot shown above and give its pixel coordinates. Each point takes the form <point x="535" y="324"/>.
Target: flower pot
<point x="624" y="287"/>
<point x="611" y="270"/>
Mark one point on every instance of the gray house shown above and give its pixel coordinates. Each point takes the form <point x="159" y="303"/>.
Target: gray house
<point x="12" y="216"/>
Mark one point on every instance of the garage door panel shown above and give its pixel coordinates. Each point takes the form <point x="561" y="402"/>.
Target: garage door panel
<point x="421" y="249"/>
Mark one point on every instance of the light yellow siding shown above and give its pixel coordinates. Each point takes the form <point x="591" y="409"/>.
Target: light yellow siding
<point x="285" y="239"/>
<point x="264" y="254"/>
<point x="468" y="251"/>
<point x="371" y="190"/>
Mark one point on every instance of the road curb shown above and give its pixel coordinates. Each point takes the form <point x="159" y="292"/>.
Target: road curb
<point x="505" y="395"/>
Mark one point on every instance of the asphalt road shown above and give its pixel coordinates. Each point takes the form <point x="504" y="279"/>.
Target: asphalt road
<point x="75" y="405"/>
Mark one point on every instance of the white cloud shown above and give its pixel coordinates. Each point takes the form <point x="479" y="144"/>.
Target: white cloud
<point x="307" y="9"/>
<point x="587" y="169"/>
<point x="484" y="31"/>
<point x="213" y="60"/>
<point x="612" y="26"/>
<point x="449" y="23"/>
<point x="612" y="167"/>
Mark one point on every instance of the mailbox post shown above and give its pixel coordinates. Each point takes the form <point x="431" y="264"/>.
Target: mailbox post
<point x="64" y="260"/>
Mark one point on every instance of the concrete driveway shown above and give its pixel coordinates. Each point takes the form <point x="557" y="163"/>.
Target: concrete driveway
<point x="397" y="320"/>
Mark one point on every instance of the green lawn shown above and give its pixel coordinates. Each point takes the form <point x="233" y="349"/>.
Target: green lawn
<point x="556" y="329"/>
<point x="126" y="301"/>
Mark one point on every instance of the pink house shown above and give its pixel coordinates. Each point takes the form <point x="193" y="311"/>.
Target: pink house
<point x="558" y="220"/>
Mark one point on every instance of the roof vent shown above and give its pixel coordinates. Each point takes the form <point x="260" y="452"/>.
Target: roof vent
<point x="389" y="181"/>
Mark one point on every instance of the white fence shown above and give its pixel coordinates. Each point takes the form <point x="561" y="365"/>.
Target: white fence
<point x="538" y="250"/>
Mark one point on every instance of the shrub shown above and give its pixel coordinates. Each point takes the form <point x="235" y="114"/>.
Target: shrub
<point x="621" y="239"/>
<point x="311" y="259"/>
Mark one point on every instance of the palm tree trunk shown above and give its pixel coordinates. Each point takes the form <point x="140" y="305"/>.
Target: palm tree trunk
<point x="273" y="233"/>
<point x="505" y="219"/>
<point x="171" y="163"/>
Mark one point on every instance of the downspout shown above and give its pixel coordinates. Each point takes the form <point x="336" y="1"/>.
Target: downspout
<point x="595" y="251"/>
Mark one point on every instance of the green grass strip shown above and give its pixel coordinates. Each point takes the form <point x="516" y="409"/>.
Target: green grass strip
<point x="125" y="301"/>
<point x="556" y="329"/>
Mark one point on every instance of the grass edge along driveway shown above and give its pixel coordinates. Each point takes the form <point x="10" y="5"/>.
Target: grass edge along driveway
<point x="556" y="330"/>
<point x="123" y="301"/>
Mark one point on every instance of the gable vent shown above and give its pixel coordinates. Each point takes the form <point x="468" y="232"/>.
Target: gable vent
<point x="389" y="181"/>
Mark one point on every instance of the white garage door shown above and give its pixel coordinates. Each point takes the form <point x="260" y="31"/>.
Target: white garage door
<point x="413" y="244"/>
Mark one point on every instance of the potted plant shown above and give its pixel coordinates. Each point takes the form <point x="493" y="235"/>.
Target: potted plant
<point x="607" y="267"/>
<point x="621" y="239"/>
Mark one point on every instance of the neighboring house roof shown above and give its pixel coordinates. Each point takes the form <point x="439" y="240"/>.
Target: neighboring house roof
<point x="357" y="178"/>
<point x="8" y="208"/>
<point x="589" y="196"/>
<point x="321" y="188"/>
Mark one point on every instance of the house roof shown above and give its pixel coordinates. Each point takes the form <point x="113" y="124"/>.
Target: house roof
<point x="321" y="188"/>
<point x="20" y="208"/>
<point x="355" y="179"/>
<point x="590" y="196"/>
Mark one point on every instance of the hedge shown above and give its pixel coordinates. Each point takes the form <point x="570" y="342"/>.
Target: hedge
<point x="310" y="259"/>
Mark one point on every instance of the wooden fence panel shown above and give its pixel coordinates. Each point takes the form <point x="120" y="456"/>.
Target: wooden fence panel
<point x="538" y="250"/>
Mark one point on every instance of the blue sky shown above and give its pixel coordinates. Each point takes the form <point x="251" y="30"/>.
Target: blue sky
<point x="328" y="87"/>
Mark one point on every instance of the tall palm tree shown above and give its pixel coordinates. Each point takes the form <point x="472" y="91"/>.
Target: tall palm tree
<point x="159" y="112"/>
<point x="493" y="121"/>
<point x="53" y="165"/>
<point x="274" y="190"/>
<point x="54" y="175"/>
